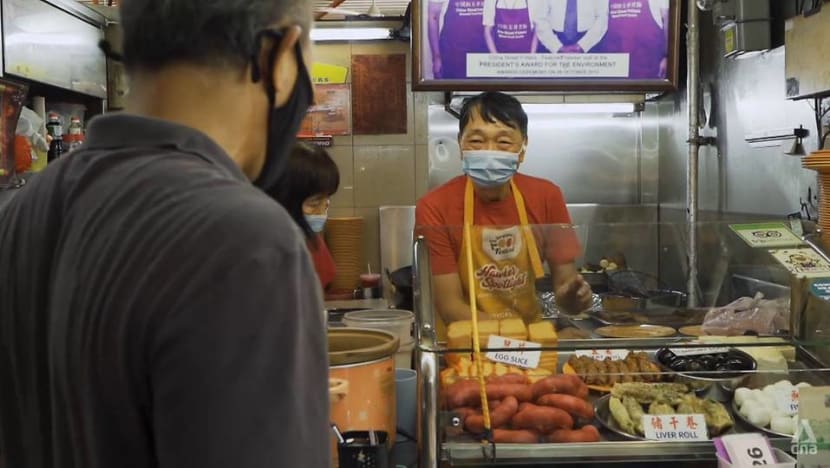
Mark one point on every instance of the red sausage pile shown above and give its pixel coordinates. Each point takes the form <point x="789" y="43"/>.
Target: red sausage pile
<point x="549" y="410"/>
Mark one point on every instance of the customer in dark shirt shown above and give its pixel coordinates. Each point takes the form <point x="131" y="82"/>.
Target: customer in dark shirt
<point x="156" y="308"/>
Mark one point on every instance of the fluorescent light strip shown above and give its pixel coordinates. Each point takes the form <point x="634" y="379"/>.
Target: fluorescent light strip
<point x="581" y="108"/>
<point x="349" y="34"/>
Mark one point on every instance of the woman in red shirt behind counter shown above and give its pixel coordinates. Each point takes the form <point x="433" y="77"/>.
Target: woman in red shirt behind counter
<point x="305" y="189"/>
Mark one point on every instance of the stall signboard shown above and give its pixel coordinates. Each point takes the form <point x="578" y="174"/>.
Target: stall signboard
<point x="802" y="262"/>
<point x="766" y="235"/>
<point x="324" y="73"/>
<point x="332" y="112"/>
<point x="545" y="45"/>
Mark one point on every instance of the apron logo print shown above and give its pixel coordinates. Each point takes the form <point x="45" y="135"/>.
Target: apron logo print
<point x="493" y="278"/>
<point x="502" y="244"/>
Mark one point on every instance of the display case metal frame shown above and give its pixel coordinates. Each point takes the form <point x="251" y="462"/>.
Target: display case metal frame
<point x="433" y="452"/>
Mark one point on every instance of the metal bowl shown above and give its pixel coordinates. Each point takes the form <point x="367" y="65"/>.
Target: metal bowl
<point x="717" y="385"/>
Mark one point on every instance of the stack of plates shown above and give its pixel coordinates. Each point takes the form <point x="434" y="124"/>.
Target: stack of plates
<point x="819" y="161"/>
<point x="344" y="239"/>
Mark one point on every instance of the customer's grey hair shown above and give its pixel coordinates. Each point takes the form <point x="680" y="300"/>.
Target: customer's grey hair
<point x="218" y="33"/>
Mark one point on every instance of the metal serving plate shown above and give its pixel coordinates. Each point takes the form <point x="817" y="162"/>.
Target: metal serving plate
<point x="743" y="420"/>
<point x="602" y="413"/>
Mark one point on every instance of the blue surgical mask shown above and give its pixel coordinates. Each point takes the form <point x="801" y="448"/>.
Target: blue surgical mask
<point x="489" y="168"/>
<point x="316" y="222"/>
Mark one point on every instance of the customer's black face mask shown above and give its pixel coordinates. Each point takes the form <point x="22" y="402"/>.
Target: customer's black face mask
<point x="283" y="122"/>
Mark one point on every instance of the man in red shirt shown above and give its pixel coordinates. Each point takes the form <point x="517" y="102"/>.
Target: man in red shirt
<point x="491" y="226"/>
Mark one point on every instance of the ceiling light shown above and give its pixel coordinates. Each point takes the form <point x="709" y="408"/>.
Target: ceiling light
<point x="581" y="108"/>
<point x="350" y="34"/>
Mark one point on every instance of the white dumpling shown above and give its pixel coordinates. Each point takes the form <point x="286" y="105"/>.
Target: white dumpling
<point x="784" y="384"/>
<point x="746" y="408"/>
<point x="766" y="401"/>
<point x="770" y="390"/>
<point x="756" y="393"/>
<point x="759" y="416"/>
<point x="743" y="395"/>
<point x="782" y="424"/>
<point x="777" y="413"/>
<point x="803" y="385"/>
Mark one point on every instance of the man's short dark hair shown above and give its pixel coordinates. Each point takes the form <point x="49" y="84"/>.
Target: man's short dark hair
<point x="218" y="33"/>
<point x="494" y="107"/>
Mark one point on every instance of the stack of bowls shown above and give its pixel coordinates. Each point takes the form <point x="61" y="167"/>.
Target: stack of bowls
<point x="344" y="240"/>
<point x="819" y="161"/>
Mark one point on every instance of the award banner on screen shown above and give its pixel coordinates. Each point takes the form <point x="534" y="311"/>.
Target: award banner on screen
<point x="567" y="45"/>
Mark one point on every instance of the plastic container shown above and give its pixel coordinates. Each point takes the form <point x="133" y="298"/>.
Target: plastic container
<point x="405" y="400"/>
<point x="395" y="321"/>
<point x="403" y="358"/>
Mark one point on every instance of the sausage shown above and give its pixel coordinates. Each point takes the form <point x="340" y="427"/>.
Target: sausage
<point x="468" y="393"/>
<point x="515" y="436"/>
<point x="508" y="379"/>
<point x="565" y="383"/>
<point x="572" y="405"/>
<point x="521" y="392"/>
<point x="463" y="412"/>
<point x="585" y="434"/>
<point x="499" y="416"/>
<point x="462" y="393"/>
<point x="542" y="418"/>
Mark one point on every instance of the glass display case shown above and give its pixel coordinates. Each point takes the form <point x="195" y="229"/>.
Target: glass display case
<point x="649" y="373"/>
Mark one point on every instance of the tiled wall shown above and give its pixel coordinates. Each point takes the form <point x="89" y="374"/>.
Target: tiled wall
<point x="377" y="170"/>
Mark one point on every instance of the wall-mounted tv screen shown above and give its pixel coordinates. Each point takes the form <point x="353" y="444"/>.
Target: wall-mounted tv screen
<point x="545" y="45"/>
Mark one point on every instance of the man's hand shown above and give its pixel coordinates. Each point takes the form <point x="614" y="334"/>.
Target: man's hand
<point x="437" y="67"/>
<point x="574" y="295"/>
<point x="571" y="49"/>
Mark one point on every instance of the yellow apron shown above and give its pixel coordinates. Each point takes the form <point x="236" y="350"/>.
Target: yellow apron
<point x="506" y="264"/>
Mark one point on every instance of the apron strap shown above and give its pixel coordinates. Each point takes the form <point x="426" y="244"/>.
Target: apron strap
<point x="533" y="250"/>
<point x="469" y="203"/>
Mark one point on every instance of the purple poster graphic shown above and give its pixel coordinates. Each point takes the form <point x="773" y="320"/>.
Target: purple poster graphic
<point x="489" y="41"/>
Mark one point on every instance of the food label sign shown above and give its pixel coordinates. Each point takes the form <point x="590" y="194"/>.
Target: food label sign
<point x="746" y="450"/>
<point x="527" y="353"/>
<point x="766" y="235"/>
<point x="675" y="427"/>
<point x="787" y="401"/>
<point x="805" y="262"/>
<point x="698" y="351"/>
<point x="821" y="289"/>
<point x="603" y="354"/>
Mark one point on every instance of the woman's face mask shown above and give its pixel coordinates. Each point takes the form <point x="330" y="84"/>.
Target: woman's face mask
<point x="489" y="168"/>
<point x="316" y="222"/>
